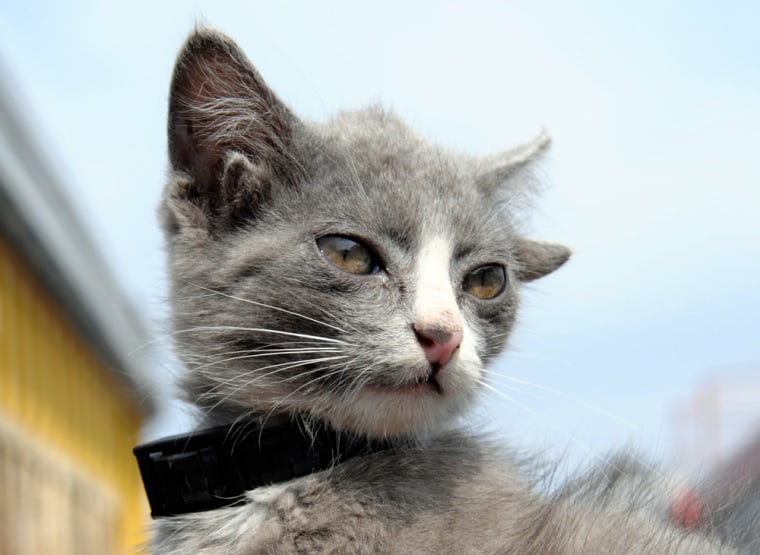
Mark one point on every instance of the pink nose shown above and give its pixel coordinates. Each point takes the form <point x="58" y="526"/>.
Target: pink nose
<point x="439" y="345"/>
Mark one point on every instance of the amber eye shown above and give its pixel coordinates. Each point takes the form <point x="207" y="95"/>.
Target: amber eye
<point x="485" y="282"/>
<point x="348" y="255"/>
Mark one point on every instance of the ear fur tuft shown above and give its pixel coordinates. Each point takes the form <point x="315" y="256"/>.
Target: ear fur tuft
<point x="222" y="115"/>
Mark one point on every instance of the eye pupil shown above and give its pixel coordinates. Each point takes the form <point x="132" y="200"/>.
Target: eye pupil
<point x="347" y="254"/>
<point x="485" y="282"/>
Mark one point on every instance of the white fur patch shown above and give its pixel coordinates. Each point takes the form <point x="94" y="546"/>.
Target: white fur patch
<point x="435" y="303"/>
<point x="436" y="307"/>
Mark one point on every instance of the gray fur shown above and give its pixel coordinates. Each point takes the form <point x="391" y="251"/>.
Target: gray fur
<point x="269" y="330"/>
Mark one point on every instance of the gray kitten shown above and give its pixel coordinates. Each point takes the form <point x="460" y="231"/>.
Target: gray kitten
<point x="352" y="275"/>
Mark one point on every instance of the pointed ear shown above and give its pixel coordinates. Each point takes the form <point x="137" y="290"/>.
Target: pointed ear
<point x="500" y="168"/>
<point x="539" y="258"/>
<point x="219" y="106"/>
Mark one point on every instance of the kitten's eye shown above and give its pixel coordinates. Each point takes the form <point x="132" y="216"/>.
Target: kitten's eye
<point x="348" y="255"/>
<point x="485" y="282"/>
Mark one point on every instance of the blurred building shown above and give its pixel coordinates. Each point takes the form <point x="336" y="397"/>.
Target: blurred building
<point x="73" y="394"/>
<point x="719" y="418"/>
<point x="717" y="437"/>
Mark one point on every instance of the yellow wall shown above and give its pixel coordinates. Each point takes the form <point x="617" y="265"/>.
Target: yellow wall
<point x="57" y="392"/>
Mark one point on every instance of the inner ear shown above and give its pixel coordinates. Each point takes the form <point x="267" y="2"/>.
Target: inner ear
<point x="218" y="105"/>
<point x="539" y="258"/>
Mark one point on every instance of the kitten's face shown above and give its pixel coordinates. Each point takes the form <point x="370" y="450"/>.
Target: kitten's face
<point x="348" y="271"/>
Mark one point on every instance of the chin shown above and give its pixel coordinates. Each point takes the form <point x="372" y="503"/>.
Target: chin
<point x="406" y="413"/>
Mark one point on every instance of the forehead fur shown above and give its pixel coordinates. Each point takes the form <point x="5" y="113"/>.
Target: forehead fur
<point x="368" y="168"/>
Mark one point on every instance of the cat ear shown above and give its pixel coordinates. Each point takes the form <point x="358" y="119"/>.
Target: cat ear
<point x="501" y="167"/>
<point x="535" y="258"/>
<point x="539" y="258"/>
<point x="229" y="135"/>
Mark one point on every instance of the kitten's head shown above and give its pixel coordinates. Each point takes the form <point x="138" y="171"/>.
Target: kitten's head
<point x="347" y="271"/>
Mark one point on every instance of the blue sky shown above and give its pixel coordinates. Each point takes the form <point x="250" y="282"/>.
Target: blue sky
<point x="654" y="177"/>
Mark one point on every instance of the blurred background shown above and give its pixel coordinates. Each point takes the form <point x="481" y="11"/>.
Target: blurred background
<point x="648" y="339"/>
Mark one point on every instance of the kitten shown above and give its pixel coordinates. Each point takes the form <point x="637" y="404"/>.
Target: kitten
<point x="351" y="276"/>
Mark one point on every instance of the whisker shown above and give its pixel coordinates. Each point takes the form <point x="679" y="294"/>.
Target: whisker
<point x="569" y="398"/>
<point x="312" y="304"/>
<point x="282" y="401"/>
<point x="509" y="398"/>
<point x="268" y="353"/>
<point x="257" y="330"/>
<point x="494" y="378"/>
<point x="271" y="307"/>
<point x="277" y="369"/>
<point x="280" y="367"/>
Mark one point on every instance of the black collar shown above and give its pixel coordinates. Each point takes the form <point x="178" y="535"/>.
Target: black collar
<point x="214" y="468"/>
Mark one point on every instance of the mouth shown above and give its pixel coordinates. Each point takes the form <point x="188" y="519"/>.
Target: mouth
<point x="429" y="380"/>
<point x="424" y="383"/>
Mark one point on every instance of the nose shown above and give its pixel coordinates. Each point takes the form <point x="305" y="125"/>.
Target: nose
<point x="439" y="344"/>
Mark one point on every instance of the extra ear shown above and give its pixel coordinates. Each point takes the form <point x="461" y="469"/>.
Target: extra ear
<point x="539" y="258"/>
<point x="502" y="167"/>
<point x="229" y="135"/>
